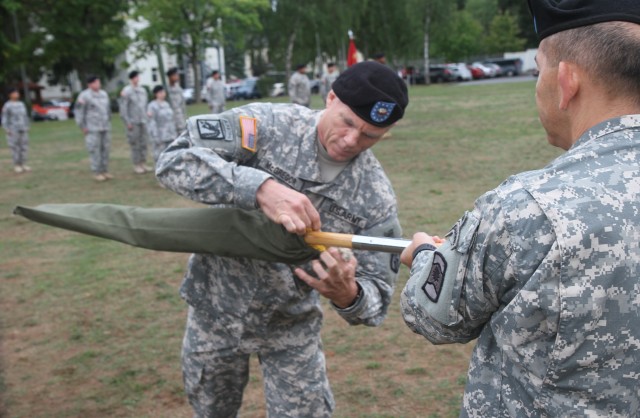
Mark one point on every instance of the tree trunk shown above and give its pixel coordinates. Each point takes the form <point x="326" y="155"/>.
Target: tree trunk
<point x="427" y="27"/>
<point x="289" y="56"/>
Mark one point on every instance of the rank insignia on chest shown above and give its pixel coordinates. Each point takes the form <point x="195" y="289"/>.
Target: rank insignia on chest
<point x="381" y="111"/>
<point x="249" y="129"/>
<point x="210" y="129"/>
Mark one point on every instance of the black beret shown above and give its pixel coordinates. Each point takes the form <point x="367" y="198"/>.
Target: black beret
<point x="91" y="79"/>
<point x="157" y="89"/>
<point x="300" y="66"/>
<point x="172" y="71"/>
<point x="553" y="16"/>
<point x="373" y="92"/>
<point x="133" y="74"/>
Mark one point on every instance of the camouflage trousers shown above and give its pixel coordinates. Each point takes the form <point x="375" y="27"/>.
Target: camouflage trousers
<point x="98" y="144"/>
<point x="295" y="379"/>
<point x="138" y="140"/>
<point x="216" y="108"/>
<point x="159" y="146"/>
<point x="19" y="144"/>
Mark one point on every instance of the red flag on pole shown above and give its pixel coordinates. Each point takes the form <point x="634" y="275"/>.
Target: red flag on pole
<point x="352" y="55"/>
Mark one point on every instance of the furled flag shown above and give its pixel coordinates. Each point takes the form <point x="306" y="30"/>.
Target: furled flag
<point x="352" y="55"/>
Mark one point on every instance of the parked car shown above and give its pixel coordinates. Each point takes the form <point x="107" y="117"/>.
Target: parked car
<point x="188" y="95"/>
<point x="50" y="110"/>
<point x="459" y="72"/>
<point x="495" y="67"/>
<point x="476" y="72"/>
<point x="486" y="70"/>
<point x="277" y="90"/>
<point x="439" y="74"/>
<point x="248" y="89"/>
<point x="509" y="66"/>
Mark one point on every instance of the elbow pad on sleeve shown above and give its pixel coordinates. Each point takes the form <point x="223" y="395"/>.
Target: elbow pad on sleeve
<point x="226" y="134"/>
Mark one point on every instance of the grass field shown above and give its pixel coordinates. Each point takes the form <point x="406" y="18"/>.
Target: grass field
<point x="93" y="328"/>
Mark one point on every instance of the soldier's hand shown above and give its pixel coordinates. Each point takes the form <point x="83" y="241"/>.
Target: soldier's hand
<point x="129" y="126"/>
<point x="85" y="130"/>
<point x="287" y="207"/>
<point x="335" y="277"/>
<point x="419" y="238"/>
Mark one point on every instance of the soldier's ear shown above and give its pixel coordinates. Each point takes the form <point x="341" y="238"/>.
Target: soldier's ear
<point x="331" y="96"/>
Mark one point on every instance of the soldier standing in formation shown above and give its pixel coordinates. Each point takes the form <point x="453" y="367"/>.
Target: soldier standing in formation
<point x="300" y="87"/>
<point x="327" y="80"/>
<point x="215" y="93"/>
<point x="133" y="110"/>
<point x="93" y="116"/>
<point x="15" y="122"/>
<point x="176" y="100"/>
<point x="162" y="127"/>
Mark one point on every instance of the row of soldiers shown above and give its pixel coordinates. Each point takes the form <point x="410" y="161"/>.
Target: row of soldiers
<point x="159" y="121"/>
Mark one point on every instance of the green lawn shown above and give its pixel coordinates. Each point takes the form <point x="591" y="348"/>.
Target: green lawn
<point x="93" y="328"/>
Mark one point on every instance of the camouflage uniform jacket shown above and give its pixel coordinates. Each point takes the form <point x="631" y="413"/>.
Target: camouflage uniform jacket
<point x="300" y="89"/>
<point x="179" y="106"/>
<point x="545" y="272"/>
<point x="14" y="116"/>
<point x="93" y="110"/>
<point x="162" y="126"/>
<point x="256" y="299"/>
<point x="133" y="105"/>
<point x="215" y="92"/>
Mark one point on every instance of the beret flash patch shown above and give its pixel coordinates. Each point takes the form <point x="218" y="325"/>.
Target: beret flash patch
<point x="433" y="286"/>
<point x="381" y="111"/>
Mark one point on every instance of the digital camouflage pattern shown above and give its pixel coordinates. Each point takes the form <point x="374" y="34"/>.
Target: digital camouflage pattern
<point x="548" y="283"/>
<point x="216" y="97"/>
<point x="133" y="110"/>
<point x="93" y="112"/>
<point x="255" y="306"/>
<point x="299" y="89"/>
<point x="162" y="128"/>
<point x="178" y="105"/>
<point x="15" y="122"/>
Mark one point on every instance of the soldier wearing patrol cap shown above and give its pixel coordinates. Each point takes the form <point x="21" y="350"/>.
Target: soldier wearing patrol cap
<point x="176" y="99"/>
<point x="305" y="169"/>
<point x="93" y="116"/>
<point x="133" y="110"/>
<point x="545" y="270"/>
<point x="299" y="86"/>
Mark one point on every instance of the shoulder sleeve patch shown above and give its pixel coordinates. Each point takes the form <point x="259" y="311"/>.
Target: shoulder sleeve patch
<point x="210" y="129"/>
<point x="435" y="280"/>
<point x="249" y="130"/>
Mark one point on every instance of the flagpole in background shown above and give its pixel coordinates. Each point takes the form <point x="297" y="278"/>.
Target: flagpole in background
<point x="352" y="55"/>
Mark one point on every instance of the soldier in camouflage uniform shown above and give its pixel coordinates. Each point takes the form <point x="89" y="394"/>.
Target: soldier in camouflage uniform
<point x="300" y="87"/>
<point x="133" y="110"/>
<point x="545" y="270"/>
<point x="93" y="116"/>
<point x="216" y="97"/>
<point x="162" y="128"/>
<point x="304" y="169"/>
<point x="15" y="122"/>
<point x="176" y="100"/>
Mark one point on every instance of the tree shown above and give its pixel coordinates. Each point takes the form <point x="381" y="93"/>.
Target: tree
<point x="503" y="34"/>
<point x="188" y="27"/>
<point x="81" y="35"/>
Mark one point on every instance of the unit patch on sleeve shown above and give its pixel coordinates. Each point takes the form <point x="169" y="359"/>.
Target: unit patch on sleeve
<point x="249" y="129"/>
<point x="210" y="129"/>
<point x="433" y="286"/>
